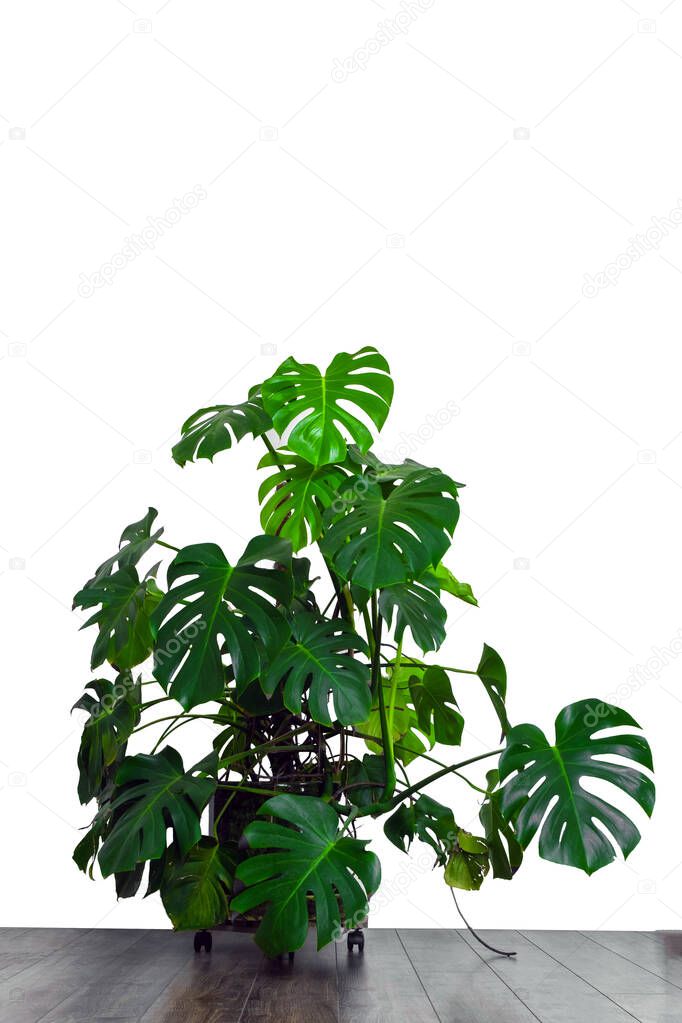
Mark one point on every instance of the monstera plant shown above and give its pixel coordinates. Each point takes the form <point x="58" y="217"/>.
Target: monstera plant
<point x="318" y="687"/>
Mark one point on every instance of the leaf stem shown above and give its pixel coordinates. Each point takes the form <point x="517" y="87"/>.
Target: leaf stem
<point x="377" y="687"/>
<point x="162" y="543"/>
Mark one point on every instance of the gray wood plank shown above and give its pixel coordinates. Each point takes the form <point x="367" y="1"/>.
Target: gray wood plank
<point x="122" y="986"/>
<point x="461" y="986"/>
<point x="550" y="990"/>
<point x="211" y="988"/>
<point x="379" y="984"/>
<point x="646" y="996"/>
<point x="636" y="947"/>
<point x="26" y="995"/>
<point x="295" y="992"/>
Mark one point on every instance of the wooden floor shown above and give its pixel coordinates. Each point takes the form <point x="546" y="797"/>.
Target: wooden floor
<point x="420" y="976"/>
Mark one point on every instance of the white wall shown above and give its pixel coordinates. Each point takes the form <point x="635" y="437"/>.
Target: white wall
<point x="443" y="203"/>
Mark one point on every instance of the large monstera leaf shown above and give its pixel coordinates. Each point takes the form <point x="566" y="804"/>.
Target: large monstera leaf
<point x="152" y="792"/>
<point x="136" y="539"/>
<point x="418" y="609"/>
<point x="113" y="712"/>
<point x="195" y="888"/>
<point x="554" y="771"/>
<point x="211" y="606"/>
<point x="308" y="853"/>
<point x="385" y="539"/>
<point x="211" y="430"/>
<point x="317" y="403"/>
<point x="296" y="495"/>
<point x="319" y="659"/>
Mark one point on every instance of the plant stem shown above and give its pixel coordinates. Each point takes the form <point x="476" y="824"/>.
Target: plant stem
<point x="394" y="686"/>
<point x="386" y="805"/>
<point x="377" y="687"/>
<point x="441" y="774"/>
<point x="162" y="543"/>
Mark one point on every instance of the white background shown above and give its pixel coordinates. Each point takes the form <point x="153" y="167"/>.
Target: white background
<point x="404" y="207"/>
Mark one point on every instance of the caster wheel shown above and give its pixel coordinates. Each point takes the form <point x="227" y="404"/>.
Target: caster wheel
<point x="203" y="940"/>
<point x="356" y="939"/>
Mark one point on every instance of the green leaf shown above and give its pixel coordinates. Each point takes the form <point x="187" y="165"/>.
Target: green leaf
<point x="546" y="772"/>
<point x="468" y="863"/>
<point x="407" y="743"/>
<point x="418" y="608"/>
<point x="450" y="584"/>
<point x="367" y="778"/>
<point x="399" y="828"/>
<point x="380" y="540"/>
<point x="113" y="714"/>
<point x="85" y="853"/>
<point x="136" y="540"/>
<point x="299" y="493"/>
<point x="432" y="695"/>
<point x="195" y="888"/>
<point x="316" y="403"/>
<point x="308" y="853"/>
<point x="152" y="792"/>
<point x="493" y="675"/>
<point x="426" y="819"/>
<point x="212" y="605"/>
<point x="319" y="658"/>
<point x="505" y="852"/>
<point x="127" y="602"/>
<point x="211" y="430"/>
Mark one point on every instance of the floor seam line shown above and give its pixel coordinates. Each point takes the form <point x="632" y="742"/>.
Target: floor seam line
<point x="626" y="959"/>
<point x="501" y="979"/>
<point x="584" y="979"/>
<point x="421" y="982"/>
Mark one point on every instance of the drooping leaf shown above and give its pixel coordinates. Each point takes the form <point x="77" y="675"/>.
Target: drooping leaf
<point x="493" y="675"/>
<point x="127" y="602"/>
<point x="211" y="606"/>
<point x="210" y="430"/>
<point x="128" y="881"/>
<point x="503" y="847"/>
<point x="426" y="819"/>
<point x="136" y="540"/>
<point x="316" y="403"/>
<point x="318" y="659"/>
<point x="418" y="608"/>
<point x="381" y="539"/>
<point x="195" y="888"/>
<point x="366" y="780"/>
<point x="152" y="792"/>
<point x="468" y="863"/>
<point x="447" y="581"/>
<point x="85" y="853"/>
<point x="308" y="853"/>
<point x="296" y="495"/>
<point x="547" y="771"/>
<point x="113" y="712"/>
<point x="436" y="706"/>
